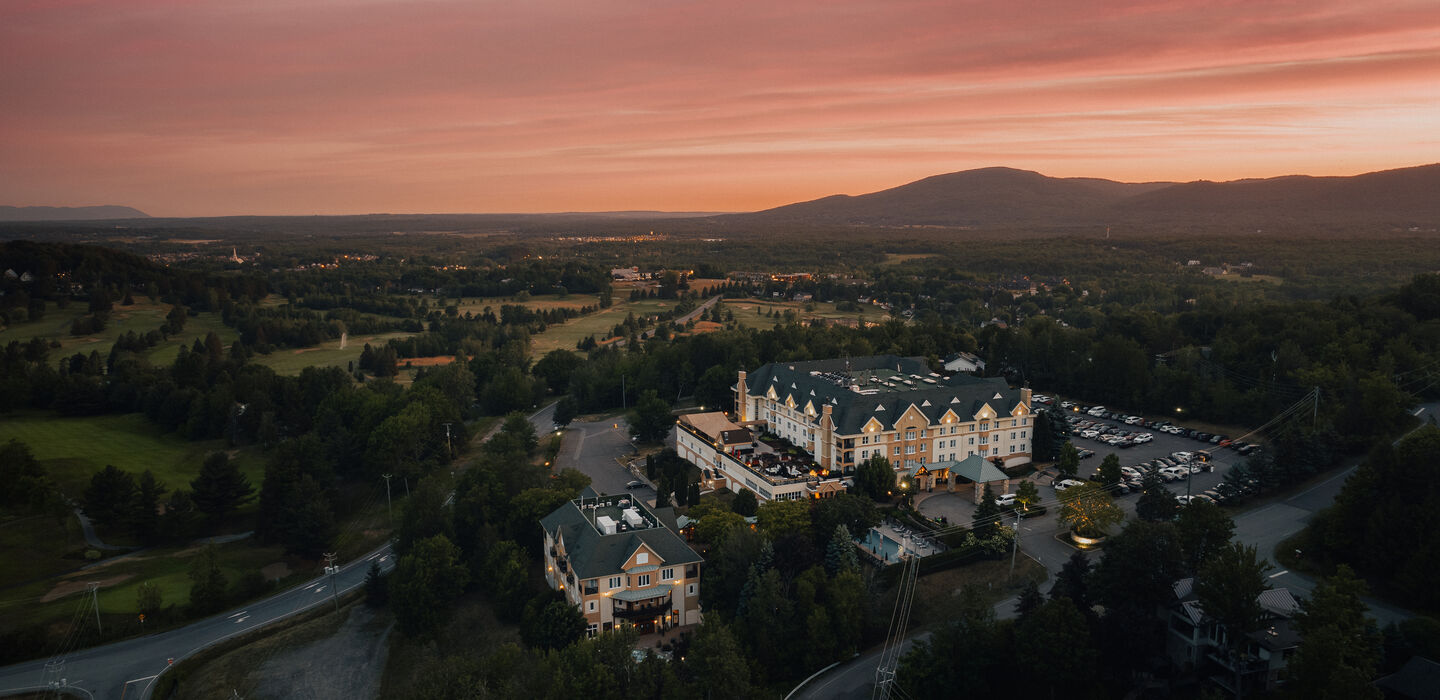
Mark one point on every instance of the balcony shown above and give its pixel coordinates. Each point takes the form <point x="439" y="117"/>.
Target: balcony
<point x="656" y="607"/>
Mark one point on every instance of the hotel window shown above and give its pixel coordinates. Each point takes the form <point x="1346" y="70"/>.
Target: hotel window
<point x="1012" y="449"/>
<point x="865" y="439"/>
<point x="909" y="449"/>
<point x="642" y="558"/>
<point x="590" y="606"/>
<point x="985" y="425"/>
<point x="1022" y="433"/>
<point x="690" y="590"/>
<point x="614" y="582"/>
<point x="972" y="440"/>
<point x="1012" y="436"/>
<point x="909" y="435"/>
<point x="984" y="439"/>
<point x="995" y="451"/>
<point x="922" y="432"/>
<point x="922" y="447"/>
<point x="897" y="450"/>
<point x="642" y="580"/>
<point x="666" y="574"/>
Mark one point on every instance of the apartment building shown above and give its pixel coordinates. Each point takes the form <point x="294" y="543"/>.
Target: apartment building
<point x="616" y="560"/>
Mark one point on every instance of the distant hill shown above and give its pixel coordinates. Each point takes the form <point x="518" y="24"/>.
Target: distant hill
<point x="1005" y="197"/>
<point x="109" y="211"/>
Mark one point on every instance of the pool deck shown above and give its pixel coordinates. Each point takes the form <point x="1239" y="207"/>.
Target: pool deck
<point x="887" y="541"/>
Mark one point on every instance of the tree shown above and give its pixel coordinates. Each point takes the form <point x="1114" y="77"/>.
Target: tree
<point x="556" y="367"/>
<point x="1071" y="581"/>
<point x="717" y="663"/>
<point x="1026" y="494"/>
<point x="1042" y="446"/>
<point x="566" y="409"/>
<point x="874" y="477"/>
<point x="1069" y="462"/>
<point x="1135" y="576"/>
<point x="714" y="527"/>
<point x="780" y="518"/>
<point x="504" y="578"/>
<point x="109" y="498"/>
<point x="744" y="503"/>
<point x="650" y="419"/>
<point x="1228" y="588"/>
<point x="1203" y="529"/>
<point x="1110" y="470"/>
<point x="207" y="583"/>
<point x="1340" y="648"/>
<point x="377" y="591"/>
<point x="422" y="516"/>
<point x="1156" y="503"/>
<point x="148" y="599"/>
<point x="1053" y="644"/>
<point x="986" y="514"/>
<point x="424" y="583"/>
<point x="26" y="483"/>
<point x="556" y="626"/>
<point x="1028" y="600"/>
<point x="220" y="488"/>
<point x="1089" y="510"/>
<point x="840" y="552"/>
<point x="145" y="521"/>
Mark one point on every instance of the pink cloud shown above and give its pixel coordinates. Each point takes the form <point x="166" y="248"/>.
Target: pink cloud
<point x="366" y="105"/>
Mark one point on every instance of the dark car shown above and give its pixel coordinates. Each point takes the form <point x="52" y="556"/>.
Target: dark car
<point x="635" y="485"/>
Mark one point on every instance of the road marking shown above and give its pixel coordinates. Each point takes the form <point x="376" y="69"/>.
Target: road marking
<point x="317" y="590"/>
<point x="1281" y="572"/>
<point x="372" y="556"/>
<point x="242" y="612"/>
<point x="242" y="619"/>
<point x="382" y="559"/>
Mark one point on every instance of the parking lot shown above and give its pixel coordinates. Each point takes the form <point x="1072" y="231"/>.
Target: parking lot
<point x="1160" y="444"/>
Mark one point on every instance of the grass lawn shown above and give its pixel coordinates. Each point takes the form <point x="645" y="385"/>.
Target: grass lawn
<point x="745" y="312"/>
<point x="599" y="324"/>
<point x="38" y="546"/>
<point x="73" y="449"/>
<point x="326" y="354"/>
<point x="936" y="594"/>
<point x="141" y="317"/>
<point x="902" y="258"/>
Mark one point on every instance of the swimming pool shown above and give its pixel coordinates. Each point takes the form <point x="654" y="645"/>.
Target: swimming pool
<point x="887" y="545"/>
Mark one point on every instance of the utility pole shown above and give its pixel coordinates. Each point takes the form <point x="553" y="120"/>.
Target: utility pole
<point x="95" y="598"/>
<point x="448" y="456"/>
<point x="1015" y="544"/>
<point x="331" y="569"/>
<point x="388" y="511"/>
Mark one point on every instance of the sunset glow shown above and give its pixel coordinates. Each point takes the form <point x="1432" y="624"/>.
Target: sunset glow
<point x="355" y="106"/>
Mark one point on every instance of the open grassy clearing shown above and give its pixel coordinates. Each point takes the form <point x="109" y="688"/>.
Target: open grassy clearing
<point x="327" y="354"/>
<point x="39" y="546"/>
<point x="598" y="324"/>
<point x="902" y="258"/>
<point x="141" y="317"/>
<point x="73" y="449"/>
<point x="746" y="315"/>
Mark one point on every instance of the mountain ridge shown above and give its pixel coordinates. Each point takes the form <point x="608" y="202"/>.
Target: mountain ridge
<point x="94" y="213"/>
<point x="1001" y="197"/>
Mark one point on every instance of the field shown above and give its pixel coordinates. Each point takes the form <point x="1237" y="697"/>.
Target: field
<point x="745" y="312"/>
<point x="598" y="324"/>
<point x="72" y="449"/>
<point x="141" y="317"/>
<point x="902" y="258"/>
<point x="327" y="354"/>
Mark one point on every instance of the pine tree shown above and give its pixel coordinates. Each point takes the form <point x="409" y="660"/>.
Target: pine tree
<point x="986" y="515"/>
<point x="376" y="590"/>
<point x="220" y="488"/>
<point x="1156" y="503"/>
<point x="207" y="583"/>
<point x="840" y="552"/>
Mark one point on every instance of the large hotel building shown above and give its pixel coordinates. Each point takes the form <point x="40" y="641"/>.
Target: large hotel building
<point x="843" y="411"/>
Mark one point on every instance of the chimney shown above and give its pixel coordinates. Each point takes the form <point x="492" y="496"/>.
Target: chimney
<point x="741" y="399"/>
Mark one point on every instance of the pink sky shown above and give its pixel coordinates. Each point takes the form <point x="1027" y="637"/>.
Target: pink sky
<point x="353" y="106"/>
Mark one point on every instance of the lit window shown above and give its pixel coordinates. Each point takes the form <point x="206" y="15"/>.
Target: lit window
<point x="642" y="580"/>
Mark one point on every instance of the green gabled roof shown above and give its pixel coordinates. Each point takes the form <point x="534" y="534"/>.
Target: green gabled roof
<point x="974" y="468"/>
<point x="962" y="393"/>
<point x="593" y="554"/>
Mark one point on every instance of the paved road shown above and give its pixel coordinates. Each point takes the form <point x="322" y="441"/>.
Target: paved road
<point x="129" y="668"/>
<point x="598" y="449"/>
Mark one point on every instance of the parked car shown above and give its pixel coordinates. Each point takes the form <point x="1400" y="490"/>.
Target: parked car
<point x="1066" y="483"/>
<point x="635" y="485"/>
<point x="1005" y="499"/>
<point x="1143" y="438"/>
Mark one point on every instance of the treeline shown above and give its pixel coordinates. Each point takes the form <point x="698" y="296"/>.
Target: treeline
<point x="1383" y="523"/>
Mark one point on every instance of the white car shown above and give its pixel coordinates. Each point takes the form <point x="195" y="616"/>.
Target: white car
<point x="1131" y="472"/>
<point x="1181" y="456"/>
<point x="1007" y="499"/>
<point x="1089" y="433"/>
<point x="1134" y="420"/>
<point x="1067" y="483"/>
<point x="1144" y="437"/>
